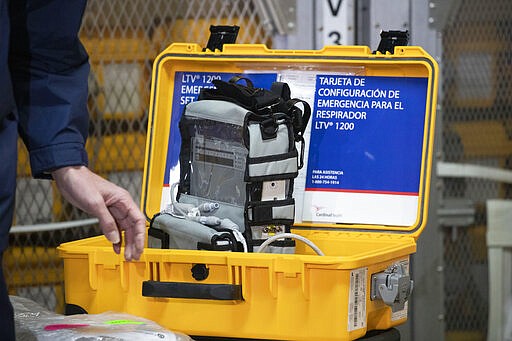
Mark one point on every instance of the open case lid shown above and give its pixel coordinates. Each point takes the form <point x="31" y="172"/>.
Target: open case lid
<point x="369" y="142"/>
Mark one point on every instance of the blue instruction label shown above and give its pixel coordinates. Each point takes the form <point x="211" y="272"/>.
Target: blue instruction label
<point x="367" y="134"/>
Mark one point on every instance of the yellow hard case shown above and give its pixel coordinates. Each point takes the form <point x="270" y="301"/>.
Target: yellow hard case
<point x="299" y="296"/>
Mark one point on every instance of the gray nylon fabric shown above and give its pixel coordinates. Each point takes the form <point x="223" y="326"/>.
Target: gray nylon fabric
<point x="277" y="147"/>
<point x="278" y="212"/>
<point x="283" y="212"/>
<point x="259" y="147"/>
<point x="217" y="111"/>
<point x="183" y="233"/>
<point x="274" y="168"/>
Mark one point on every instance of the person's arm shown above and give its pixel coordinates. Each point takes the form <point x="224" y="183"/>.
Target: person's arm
<point x="49" y="69"/>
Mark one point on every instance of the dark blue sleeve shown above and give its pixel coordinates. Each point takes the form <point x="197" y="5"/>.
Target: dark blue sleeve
<point x="49" y="70"/>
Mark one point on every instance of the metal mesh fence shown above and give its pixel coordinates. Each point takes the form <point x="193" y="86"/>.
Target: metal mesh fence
<point x="122" y="38"/>
<point x="477" y="117"/>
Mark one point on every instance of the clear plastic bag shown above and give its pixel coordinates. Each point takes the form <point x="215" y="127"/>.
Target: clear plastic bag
<point x="34" y="322"/>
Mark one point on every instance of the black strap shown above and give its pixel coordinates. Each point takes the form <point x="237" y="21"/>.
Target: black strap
<point x="300" y="118"/>
<point x="261" y="102"/>
<point x="236" y="79"/>
<point x="282" y="90"/>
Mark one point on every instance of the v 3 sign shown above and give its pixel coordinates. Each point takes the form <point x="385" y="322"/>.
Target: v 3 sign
<point x="337" y="22"/>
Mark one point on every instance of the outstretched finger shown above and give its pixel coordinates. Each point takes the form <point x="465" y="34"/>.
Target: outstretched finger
<point x="117" y="246"/>
<point x="139" y="238"/>
<point x="109" y="228"/>
<point x="134" y="236"/>
<point x="128" y="249"/>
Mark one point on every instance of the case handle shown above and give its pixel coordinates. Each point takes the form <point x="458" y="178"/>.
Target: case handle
<point x="223" y="292"/>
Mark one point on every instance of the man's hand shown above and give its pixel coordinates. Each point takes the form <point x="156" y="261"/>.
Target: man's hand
<point x="111" y="204"/>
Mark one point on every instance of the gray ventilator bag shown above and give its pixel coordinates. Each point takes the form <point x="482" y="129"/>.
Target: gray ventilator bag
<point x="244" y="159"/>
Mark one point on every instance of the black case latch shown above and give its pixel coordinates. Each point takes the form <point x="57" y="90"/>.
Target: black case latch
<point x="220" y="35"/>
<point x="390" y="39"/>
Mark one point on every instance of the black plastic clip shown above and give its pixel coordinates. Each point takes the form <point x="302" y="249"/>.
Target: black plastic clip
<point x="269" y="128"/>
<point x="220" y="35"/>
<point x="390" y="39"/>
